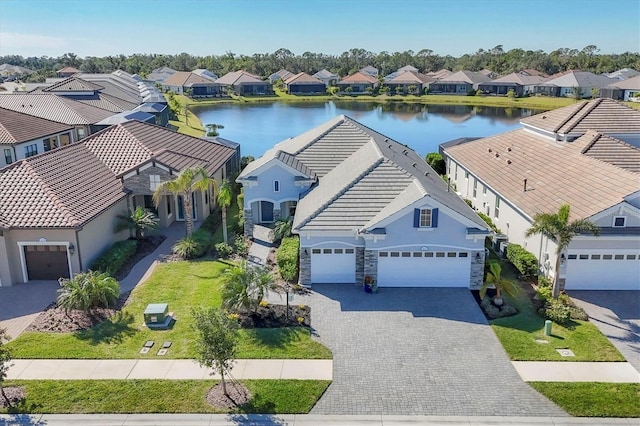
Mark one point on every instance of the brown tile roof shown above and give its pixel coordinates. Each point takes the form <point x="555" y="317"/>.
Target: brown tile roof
<point x="16" y="127"/>
<point x="239" y="77"/>
<point x="185" y="78"/>
<point x="465" y="76"/>
<point x="72" y="84"/>
<point x="605" y="115"/>
<point x="54" y="108"/>
<point x="632" y="83"/>
<point x="516" y="77"/>
<point x="358" y="77"/>
<point x="68" y="70"/>
<point x="303" y="78"/>
<point x="440" y="74"/>
<point x="612" y="150"/>
<point x="409" y="77"/>
<point x="65" y="187"/>
<point x="557" y="173"/>
<point x="105" y="102"/>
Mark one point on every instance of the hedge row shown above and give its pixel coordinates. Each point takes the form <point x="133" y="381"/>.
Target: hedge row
<point x="525" y="262"/>
<point x="287" y="258"/>
<point x="115" y="257"/>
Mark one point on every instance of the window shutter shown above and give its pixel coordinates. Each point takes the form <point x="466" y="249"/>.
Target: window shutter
<point x="416" y="218"/>
<point x="434" y="218"/>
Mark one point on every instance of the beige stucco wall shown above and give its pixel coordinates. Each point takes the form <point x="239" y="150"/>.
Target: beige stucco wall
<point x="5" y="275"/>
<point x="97" y="235"/>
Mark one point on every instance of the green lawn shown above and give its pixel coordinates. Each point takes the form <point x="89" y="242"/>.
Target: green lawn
<point x="161" y="396"/>
<point x="183" y="285"/>
<point x="194" y="128"/>
<point x="518" y="334"/>
<point x="593" y="399"/>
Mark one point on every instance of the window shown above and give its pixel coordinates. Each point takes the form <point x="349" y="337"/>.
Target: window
<point x="425" y="218"/>
<point x="619" y="221"/>
<point x="466" y="175"/>
<point x="348" y="251"/>
<point x="8" y="158"/>
<point x="496" y="211"/>
<point x="584" y="257"/>
<point x="573" y="257"/>
<point x="276" y="186"/>
<point x="326" y="251"/>
<point x="631" y="257"/>
<point x="595" y="257"/>
<point x="475" y="188"/>
<point x="154" y="181"/>
<point x="81" y="133"/>
<point x="456" y="174"/>
<point x="149" y="205"/>
<point x="428" y="254"/>
<point x="451" y="254"/>
<point x="439" y="254"/>
<point x="395" y="254"/>
<point x="406" y="254"/>
<point x="417" y="254"/>
<point x="619" y="257"/>
<point x="384" y="254"/>
<point x="338" y="251"/>
<point x="169" y="206"/>
<point x="607" y="257"/>
<point x="484" y="191"/>
<point x="463" y="254"/>
<point x="30" y="150"/>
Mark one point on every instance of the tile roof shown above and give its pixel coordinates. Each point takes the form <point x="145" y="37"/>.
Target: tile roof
<point x="557" y="173"/>
<point x="72" y="84"/>
<point x="623" y="74"/>
<point x="579" y="79"/>
<point x="409" y="77"/>
<point x="302" y="78"/>
<point x="187" y="79"/>
<point x="605" y="115"/>
<point x="239" y="77"/>
<point x="632" y="83"/>
<point x="54" y="108"/>
<point x="464" y="76"/>
<point x="612" y="150"/>
<point x="115" y="85"/>
<point x="16" y="127"/>
<point x="440" y="74"/>
<point x="519" y="78"/>
<point x="104" y="101"/>
<point x="358" y="77"/>
<point x="68" y="70"/>
<point x="281" y="74"/>
<point x="323" y="73"/>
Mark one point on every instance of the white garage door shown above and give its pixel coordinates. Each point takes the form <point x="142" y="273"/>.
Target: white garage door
<point x="603" y="271"/>
<point x="424" y="269"/>
<point x="333" y="266"/>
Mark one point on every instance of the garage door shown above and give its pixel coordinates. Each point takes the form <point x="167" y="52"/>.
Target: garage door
<point x="424" y="269"/>
<point x="46" y="262"/>
<point x="603" y="271"/>
<point x="333" y="266"/>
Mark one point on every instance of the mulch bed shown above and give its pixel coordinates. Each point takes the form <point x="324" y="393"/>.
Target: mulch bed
<point x="15" y="395"/>
<point x="146" y="246"/>
<point x="238" y="395"/>
<point x="274" y="316"/>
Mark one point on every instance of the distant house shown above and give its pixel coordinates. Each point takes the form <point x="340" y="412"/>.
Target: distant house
<point x="532" y="72"/>
<point x="400" y="71"/>
<point x="244" y="83"/>
<point x="280" y="75"/>
<point x="625" y="90"/>
<point x="89" y="93"/>
<point x="191" y="84"/>
<point x="160" y="74"/>
<point x="521" y="84"/>
<point x="372" y="71"/>
<point x="8" y="70"/>
<point x="564" y="85"/>
<point x="359" y="82"/>
<point x="327" y="77"/>
<point x="23" y="136"/>
<point x="440" y="74"/>
<point x="304" y="84"/>
<point x="622" y="74"/>
<point x="459" y="83"/>
<point x="205" y="73"/>
<point x="488" y="73"/>
<point x="411" y="82"/>
<point x="158" y="110"/>
<point x="67" y="72"/>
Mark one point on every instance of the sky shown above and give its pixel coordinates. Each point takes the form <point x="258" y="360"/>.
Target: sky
<point x="204" y="27"/>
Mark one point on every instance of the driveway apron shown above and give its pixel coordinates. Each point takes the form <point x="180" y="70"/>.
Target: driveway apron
<point x="422" y="351"/>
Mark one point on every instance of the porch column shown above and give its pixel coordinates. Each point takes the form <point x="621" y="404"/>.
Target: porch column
<point x="276" y="214"/>
<point x="477" y="270"/>
<point x="359" y="265"/>
<point x="248" y="223"/>
<point x="370" y="265"/>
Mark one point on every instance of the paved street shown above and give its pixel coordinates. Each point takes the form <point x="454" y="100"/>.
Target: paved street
<point x="416" y="351"/>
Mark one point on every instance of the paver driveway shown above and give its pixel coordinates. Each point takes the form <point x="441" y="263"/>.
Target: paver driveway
<point x="22" y="303"/>
<point x="416" y="351"/>
<point x="617" y="315"/>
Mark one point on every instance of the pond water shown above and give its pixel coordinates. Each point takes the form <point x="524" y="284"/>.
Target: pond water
<point x="258" y="126"/>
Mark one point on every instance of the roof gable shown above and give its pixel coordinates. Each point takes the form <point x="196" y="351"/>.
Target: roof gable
<point x="466" y="77"/>
<point x="16" y="127"/>
<point x="359" y="77"/>
<point x="579" y="79"/>
<point x="302" y="78"/>
<point x="72" y="84"/>
<point x="239" y="77"/>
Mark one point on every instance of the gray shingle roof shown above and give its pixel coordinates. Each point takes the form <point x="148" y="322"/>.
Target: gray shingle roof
<point x="579" y="79"/>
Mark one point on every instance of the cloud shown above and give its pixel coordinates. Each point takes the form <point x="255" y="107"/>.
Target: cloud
<point x="29" y="44"/>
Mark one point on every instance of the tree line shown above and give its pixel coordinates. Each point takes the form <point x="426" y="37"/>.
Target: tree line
<point x="264" y="64"/>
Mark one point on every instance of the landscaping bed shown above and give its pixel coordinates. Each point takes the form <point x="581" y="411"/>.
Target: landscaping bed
<point x="275" y="316"/>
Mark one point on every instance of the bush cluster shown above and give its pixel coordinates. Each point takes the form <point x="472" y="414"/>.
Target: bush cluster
<point x="561" y="310"/>
<point x="488" y="221"/>
<point x="494" y="312"/>
<point x="194" y="246"/>
<point x="115" y="257"/>
<point x="287" y="258"/>
<point x="525" y="262"/>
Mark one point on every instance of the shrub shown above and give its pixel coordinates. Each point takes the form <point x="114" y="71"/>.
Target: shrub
<point x="544" y="282"/>
<point x="544" y="294"/>
<point x="526" y="263"/>
<point x="115" y="257"/>
<point x="190" y="247"/>
<point x="287" y="258"/>
<point x="511" y="94"/>
<point x="435" y="160"/>
<point x="557" y="312"/>
<point x="223" y="249"/>
<point x="241" y="246"/>
<point x="89" y="290"/>
<point x="489" y="222"/>
<point x="494" y="312"/>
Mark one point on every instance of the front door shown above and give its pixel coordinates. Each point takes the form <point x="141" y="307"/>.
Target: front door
<point x="180" y="206"/>
<point x="266" y="211"/>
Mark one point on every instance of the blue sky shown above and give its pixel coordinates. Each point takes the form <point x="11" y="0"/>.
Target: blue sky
<point x="455" y="27"/>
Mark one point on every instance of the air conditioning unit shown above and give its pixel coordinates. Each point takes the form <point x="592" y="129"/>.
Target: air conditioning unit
<point x="497" y="240"/>
<point x="503" y="249"/>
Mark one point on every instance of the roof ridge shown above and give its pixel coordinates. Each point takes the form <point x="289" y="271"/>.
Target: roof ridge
<point x="567" y="119"/>
<point x="596" y="136"/>
<point x="323" y="134"/>
<point x="163" y="150"/>
<point x="581" y="113"/>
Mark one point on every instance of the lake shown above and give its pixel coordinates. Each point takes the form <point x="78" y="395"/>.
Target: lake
<point x="259" y="126"/>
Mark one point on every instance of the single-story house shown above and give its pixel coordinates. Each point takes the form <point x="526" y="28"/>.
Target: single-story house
<point x="585" y="155"/>
<point x="8" y="70"/>
<point x="160" y="111"/>
<point x="488" y="73"/>
<point x="89" y="93"/>
<point x="440" y="74"/>
<point x="244" y="83"/>
<point x="359" y="83"/>
<point x="191" y="84"/>
<point x="624" y="90"/>
<point x="565" y="84"/>
<point x="202" y="72"/>
<point x="327" y="77"/>
<point x="372" y="71"/>
<point x="459" y="83"/>
<point x="521" y="84"/>
<point x="73" y="196"/>
<point x="23" y="136"/>
<point x="623" y="74"/>
<point x="160" y="74"/>
<point x="280" y="75"/>
<point x="304" y="84"/>
<point x="365" y="205"/>
<point x="411" y="82"/>
<point x="67" y="72"/>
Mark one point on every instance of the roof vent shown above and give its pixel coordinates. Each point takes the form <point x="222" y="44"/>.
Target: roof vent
<point x="490" y="150"/>
<point x="404" y="151"/>
<point x="509" y="149"/>
<point x="389" y="146"/>
<point x="497" y="155"/>
<point x="544" y="116"/>
<point x="426" y="173"/>
<point x="508" y="161"/>
<point x="414" y="165"/>
<point x="386" y="140"/>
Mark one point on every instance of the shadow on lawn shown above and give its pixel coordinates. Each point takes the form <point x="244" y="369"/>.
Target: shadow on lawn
<point x="113" y="330"/>
<point x="274" y="337"/>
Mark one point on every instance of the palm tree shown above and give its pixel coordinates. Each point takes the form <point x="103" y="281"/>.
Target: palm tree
<point x="245" y="286"/>
<point x="556" y="226"/>
<point x="212" y="129"/>
<point x="494" y="279"/>
<point x="139" y="220"/>
<point x="282" y="229"/>
<point x="88" y="290"/>
<point x="225" y="195"/>
<point x="189" y="180"/>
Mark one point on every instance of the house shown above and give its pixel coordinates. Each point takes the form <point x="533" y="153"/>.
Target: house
<point x="585" y="155"/>
<point x="440" y="74"/>
<point x="624" y="90"/>
<point x="23" y="136"/>
<point x="372" y="71"/>
<point x="622" y="74"/>
<point x="532" y="72"/>
<point x="73" y="196"/>
<point x="327" y="77"/>
<point x="364" y="204"/>
<point x="158" y="110"/>
<point x="8" y="70"/>
<point x="358" y="83"/>
<point x="565" y="84"/>
<point x="191" y="84"/>
<point x="82" y="117"/>
<point x="244" y="83"/>
<point x="124" y="86"/>
<point x="67" y="72"/>
<point x="521" y="84"/>
<point x="160" y="74"/>
<point x="400" y="71"/>
<point x="411" y="82"/>
<point x="205" y="73"/>
<point x="304" y="84"/>
<point x="488" y="73"/>
<point x="280" y="75"/>
<point x="459" y="83"/>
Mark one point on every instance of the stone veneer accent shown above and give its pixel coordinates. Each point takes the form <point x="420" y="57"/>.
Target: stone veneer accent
<point x="359" y="265"/>
<point x="140" y="184"/>
<point x="248" y="224"/>
<point x="477" y="270"/>
<point x="561" y="283"/>
<point x="371" y="264"/>
<point x="276" y="214"/>
<point x="305" y="266"/>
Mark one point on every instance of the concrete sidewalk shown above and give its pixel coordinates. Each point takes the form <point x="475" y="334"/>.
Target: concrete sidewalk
<point x="171" y="369"/>
<point x="547" y="371"/>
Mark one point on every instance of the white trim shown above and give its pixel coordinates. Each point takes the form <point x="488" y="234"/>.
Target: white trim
<point x="328" y="234"/>
<point x="130" y="174"/>
<point x="427" y="247"/>
<point x="23" y="259"/>
<point x="269" y="164"/>
<point x="276" y="185"/>
<point x="624" y="222"/>
<point x="332" y="244"/>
